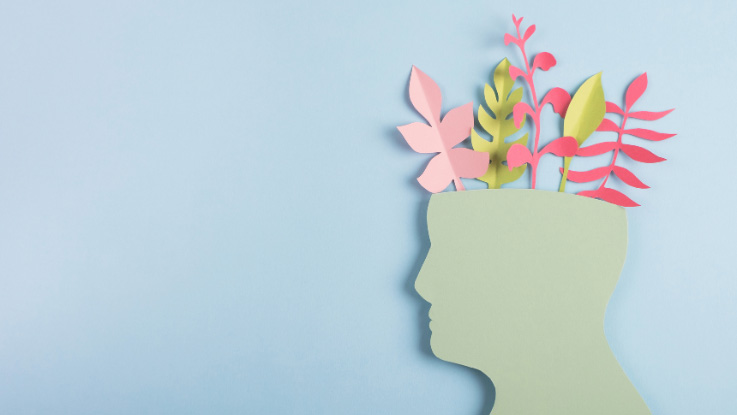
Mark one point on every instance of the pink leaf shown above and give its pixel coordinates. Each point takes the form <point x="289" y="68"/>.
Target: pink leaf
<point x="425" y="95"/>
<point x="518" y="155"/>
<point x="530" y="30"/>
<point x="610" y="195"/>
<point x="635" y="91"/>
<point x="587" y="176"/>
<point x="596" y="149"/>
<point x="418" y="136"/>
<point x="648" y="134"/>
<point x="561" y="147"/>
<point x="467" y="163"/>
<point x="510" y="39"/>
<point x="544" y="61"/>
<point x="456" y="125"/>
<point x="559" y="99"/>
<point x="629" y="178"/>
<point x="649" y="116"/>
<point x="436" y="176"/>
<point x="613" y="108"/>
<point x="520" y="110"/>
<point x="515" y="72"/>
<point x="640" y="154"/>
<point x="608" y="125"/>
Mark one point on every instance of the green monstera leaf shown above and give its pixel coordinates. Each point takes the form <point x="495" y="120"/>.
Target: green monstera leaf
<point x="499" y="125"/>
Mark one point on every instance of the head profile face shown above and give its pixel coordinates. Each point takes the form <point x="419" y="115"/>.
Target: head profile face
<point x="508" y="269"/>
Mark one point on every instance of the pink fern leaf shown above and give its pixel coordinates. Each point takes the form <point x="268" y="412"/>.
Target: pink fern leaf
<point x="596" y="149"/>
<point x="635" y="91"/>
<point x="587" y="176"/>
<point x="629" y="178"/>
<point x="648" y="134"/>
<point x="640" y="154"/>
<point x="610" y="195"/>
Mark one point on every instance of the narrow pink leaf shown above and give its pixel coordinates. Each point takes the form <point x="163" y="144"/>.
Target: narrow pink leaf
<point x="610" y="195"/>
<point x="559" y="98"/>
<point x="613" y="108"/>
<point x="467" y="163"/>
<point x="425" y="96"/>
<point x="629" y="178"/>
<point x="518" y="155"/>
<point x="530" y="30"/>
<point x="456" y="125"/>
<point x="510" y="39"/>
<point x="640" y="154"/>
<point x="544" y="61"/>
<point x="520" y="110"/>
<point x="649" y="116"/>
<point x="561" y="147"/>
<point x="635" y="91"/>
<point x="648" y="134"/>
<point x="419" y="136"/>
<point x="515" y="72"/>
<point x="607" y="125"/>
<point x="437" y="175"/>
<point x="587" y="176"/>
<point x="596" y="149"/>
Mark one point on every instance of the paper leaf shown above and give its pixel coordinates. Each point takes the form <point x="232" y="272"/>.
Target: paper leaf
<point x="521" y="110"/>
<point x="596" y="149"/>
<point x="543" y="60"/>
<point x="501" y="104"/>
<point x="456" y="125"/>
<point x="628" y="177"/>
<point x="559" y="99"/>
<point x="648" y="134"/>
<point x="635" y="91"/>
<point x="561" y="147"/>
<point x="587" y="176"/>
<point x="425" y="96"/>
<point x="586" y="110"/>
<point x="610" y="195"/>
<point x="416" y="135"/>
<point x="515" y="72"/>
<point x="649" y="116"/>
<point x="450" y="164"/>
<point x="518" y="155"/>
<point x="613" y="108"/>
<point x="640" y="154"/>
<point x="530" y="30"/>
<point x="607" y="125"/>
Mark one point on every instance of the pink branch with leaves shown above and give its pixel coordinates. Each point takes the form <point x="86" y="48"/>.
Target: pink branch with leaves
<point x="637" y="153"/>
<point x="518" y="154"/>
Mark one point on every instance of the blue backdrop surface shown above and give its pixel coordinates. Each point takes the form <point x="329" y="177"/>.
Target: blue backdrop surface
<point x="205" y="206"/>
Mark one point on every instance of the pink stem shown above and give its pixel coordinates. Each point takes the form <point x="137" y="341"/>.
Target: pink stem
<point x="536" y="118"/>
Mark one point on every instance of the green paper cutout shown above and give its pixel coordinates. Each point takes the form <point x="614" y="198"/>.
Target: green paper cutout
<point x="501" y="103"/>
<point x="519" y="281"/>
<point x="583" y="116"/>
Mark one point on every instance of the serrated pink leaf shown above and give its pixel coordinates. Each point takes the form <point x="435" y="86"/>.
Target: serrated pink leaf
<point x="610" y="195"/>
<point x="613" y="108"/>
<point x="561" y="147"/>
<point x="640" y="154"/>
<point x="515" y="72"/>
<point x="456" y="125"/>
<point x="518" y="155"/>
<point x="425" y="95"/>
<point x="510" y="39"/>
<point x="587" y="176"/>
<point x="520" y="110"/>
<point x="596" y="149"/>
<point x="420" y="137"/>
<point x="530" y="30"/>
<point x="629" y="178"/>
<point x="635" y="91"/>
<point x="649" y="116"/>
<point x="544" y="61"/>
<point x="607" y="125"/>
<point x="559" y="98"/>
<point x="648" y="134"/>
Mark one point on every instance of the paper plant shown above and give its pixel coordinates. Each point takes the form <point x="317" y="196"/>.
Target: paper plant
<point x="497" y="161"/>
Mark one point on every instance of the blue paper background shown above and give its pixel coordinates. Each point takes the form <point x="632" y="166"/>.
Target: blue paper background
<point x="205" y="206"/>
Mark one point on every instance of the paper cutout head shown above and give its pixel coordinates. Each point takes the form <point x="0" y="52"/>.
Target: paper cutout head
<point x="518" y="282"/>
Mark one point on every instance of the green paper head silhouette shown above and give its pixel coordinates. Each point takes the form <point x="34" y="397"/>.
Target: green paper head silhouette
<point x="518" y="282"/>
